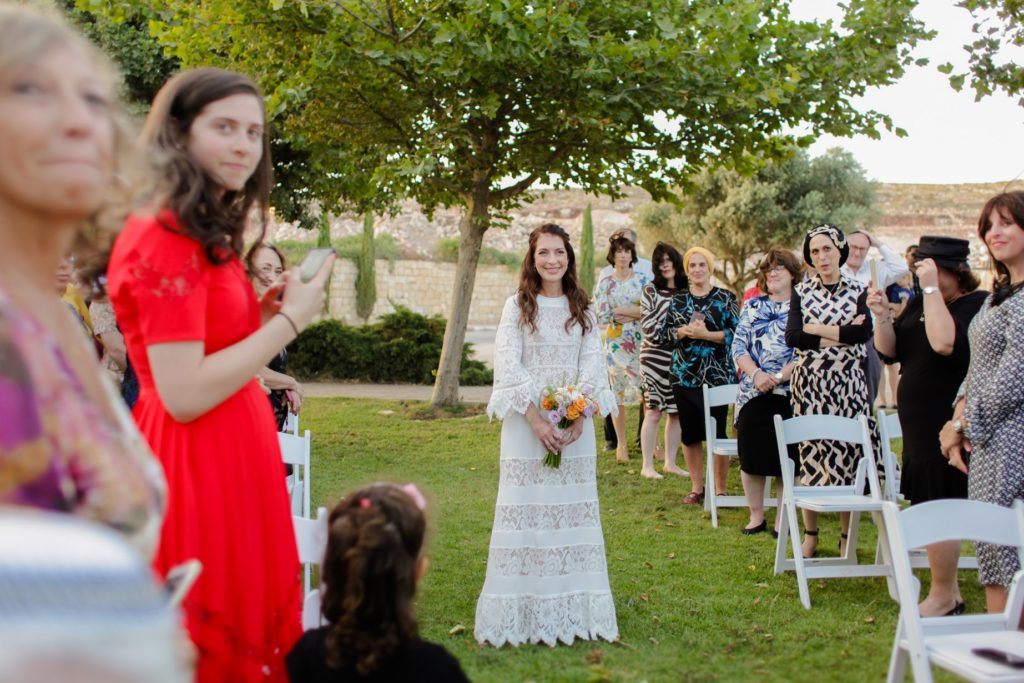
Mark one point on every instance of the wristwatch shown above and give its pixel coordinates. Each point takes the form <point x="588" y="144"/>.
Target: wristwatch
<point x="929" y="290"/>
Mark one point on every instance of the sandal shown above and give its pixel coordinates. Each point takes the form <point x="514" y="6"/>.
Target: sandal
<point x="814" y="535"/>
<point x="694" y="498"/>
<point x="842" y="539"/>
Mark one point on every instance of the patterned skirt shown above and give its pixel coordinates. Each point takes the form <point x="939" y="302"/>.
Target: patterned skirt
<point x="832" y="388"/>
<point x="656" y="371"/>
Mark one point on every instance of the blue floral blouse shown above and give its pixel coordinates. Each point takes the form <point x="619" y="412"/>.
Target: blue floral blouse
<point x="696" y="362"/>
<point x="761" y="334"/>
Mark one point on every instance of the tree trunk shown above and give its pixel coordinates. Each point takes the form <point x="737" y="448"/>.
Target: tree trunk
<point x="472" y="226"/>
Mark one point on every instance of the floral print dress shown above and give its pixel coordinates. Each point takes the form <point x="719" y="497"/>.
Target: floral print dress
<point x="621" y="340"/>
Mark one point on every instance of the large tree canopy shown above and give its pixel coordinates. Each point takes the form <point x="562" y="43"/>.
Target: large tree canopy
<point x="738" y="217"/>
<point x="471" y="102"/>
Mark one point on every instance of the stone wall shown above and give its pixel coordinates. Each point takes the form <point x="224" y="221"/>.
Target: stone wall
<point x="424" y="287"/>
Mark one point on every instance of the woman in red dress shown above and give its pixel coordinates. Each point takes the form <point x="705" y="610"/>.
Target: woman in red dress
<point x="198" y="336"/>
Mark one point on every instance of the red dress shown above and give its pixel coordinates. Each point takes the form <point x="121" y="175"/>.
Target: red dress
<point x="227" y="503"/>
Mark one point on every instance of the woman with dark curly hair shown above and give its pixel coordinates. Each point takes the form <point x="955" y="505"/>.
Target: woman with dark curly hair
<point x="547" y="575"/>
<point x="373" y="562"/>
<point x="197" y="336"/>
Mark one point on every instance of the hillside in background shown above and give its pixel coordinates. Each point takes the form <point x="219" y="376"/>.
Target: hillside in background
<point x="908" y="211"/>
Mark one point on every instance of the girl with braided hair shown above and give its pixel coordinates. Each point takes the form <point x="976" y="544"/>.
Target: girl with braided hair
<point x="373" y="562"/>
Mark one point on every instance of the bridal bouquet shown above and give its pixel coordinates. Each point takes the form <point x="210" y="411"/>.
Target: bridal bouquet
<point x="564" y="405"/>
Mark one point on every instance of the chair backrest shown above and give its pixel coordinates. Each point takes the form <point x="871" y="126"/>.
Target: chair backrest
<point x="311" y="536"/>
<point x="721" y="395"/>
<point x="291" y="423"/>
<point x="831" y="428"/>
<point x="889" y="428"/>
<point x="958" y="519"/>
<point x="295" y="451"/>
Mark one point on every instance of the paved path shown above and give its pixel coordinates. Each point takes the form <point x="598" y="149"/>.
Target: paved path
<point x="392" y="392"/>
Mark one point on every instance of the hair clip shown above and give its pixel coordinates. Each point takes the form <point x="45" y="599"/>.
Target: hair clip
<point x="364" y="503"/>
<point x="417" y="497"/>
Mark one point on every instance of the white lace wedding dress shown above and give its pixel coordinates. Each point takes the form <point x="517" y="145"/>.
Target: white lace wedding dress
<point x="547" y="577"/>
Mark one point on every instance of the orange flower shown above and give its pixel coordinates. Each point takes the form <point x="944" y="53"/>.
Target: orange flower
<point x="572" y="413"/>
<point x="579" y="404"/>
<point x="546" y="403"/>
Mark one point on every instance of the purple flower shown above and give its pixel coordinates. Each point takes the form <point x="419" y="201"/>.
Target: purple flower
<point x="586" y="389"/>
<point x="553" y="417"/>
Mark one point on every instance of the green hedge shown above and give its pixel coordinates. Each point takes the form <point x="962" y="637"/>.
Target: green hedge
<point x="402" y="347"/>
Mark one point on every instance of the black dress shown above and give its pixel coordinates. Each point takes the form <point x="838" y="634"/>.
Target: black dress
<point x="278" y="397"/>
<point x="421" y="662"/>
<point x="928" y="385"/>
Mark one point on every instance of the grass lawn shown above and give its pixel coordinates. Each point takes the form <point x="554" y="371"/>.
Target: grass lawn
<point x="694" y="603"/>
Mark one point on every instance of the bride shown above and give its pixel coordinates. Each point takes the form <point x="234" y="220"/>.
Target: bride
<point x="547" y="579"/>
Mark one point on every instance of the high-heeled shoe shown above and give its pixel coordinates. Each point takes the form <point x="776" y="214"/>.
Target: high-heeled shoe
<point x="959" y="608"/>
<point x="760" y="528"/>
<point x="814" y="535"/>
<point x="842" y="539"/>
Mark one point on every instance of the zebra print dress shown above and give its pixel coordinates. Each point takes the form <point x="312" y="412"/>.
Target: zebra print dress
<point x="830" y="380"/>
<point x="656" y="358"/>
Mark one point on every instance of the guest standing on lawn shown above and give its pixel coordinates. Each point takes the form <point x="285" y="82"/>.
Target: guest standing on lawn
<point x="988" y="422"/>
<point x="929" y="341"/>
<point x="828" y="324"/>
<point x="197" y="337"/>
<point x="656" y="359"/>
<point x="618" y="309"/>
<point x="547" y="576"/>
<point x="701" y="324"/>
<point x="761" y="354"/>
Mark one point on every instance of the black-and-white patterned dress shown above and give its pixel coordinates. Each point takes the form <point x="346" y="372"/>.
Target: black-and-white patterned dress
<point x="655" y="357"/>
<point x="995" y="422"/>
<point x="830" y="380"/>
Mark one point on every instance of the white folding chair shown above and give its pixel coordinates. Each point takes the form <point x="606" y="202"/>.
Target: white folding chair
<point x="291" y="423"/>
<point x="889" y="428"/>
<point x="311" y="539"/>
<point x="947" y="642"/>
<point x="295" y="452"/>
<point x="725" y="448"/>
<point x="823" y="499"/>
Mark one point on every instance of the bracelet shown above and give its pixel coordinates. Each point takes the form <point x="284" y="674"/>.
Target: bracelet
<point x="290" y="322"/>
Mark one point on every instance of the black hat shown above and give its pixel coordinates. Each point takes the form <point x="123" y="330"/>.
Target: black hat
<point x="834" y="234"/>
<point x="947" y="252"/>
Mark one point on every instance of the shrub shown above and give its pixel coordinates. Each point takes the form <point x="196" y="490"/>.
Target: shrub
<point x="447" y="250"/>
<point x="402" y="347"/>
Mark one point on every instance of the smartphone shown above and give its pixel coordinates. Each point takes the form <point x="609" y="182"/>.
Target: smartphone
<point x="1011" y="660"/>
<point x="180" y="579"/>
<point x="312" y="263"/>
<point x="875" y="282"/>
<point x="696" y="316"/>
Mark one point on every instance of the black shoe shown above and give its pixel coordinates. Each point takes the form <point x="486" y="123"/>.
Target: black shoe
<point x="959" y="608"/>
<point x="610" y="445"/>
<point x="760" y="528"/>
<point x="775" y="534"/>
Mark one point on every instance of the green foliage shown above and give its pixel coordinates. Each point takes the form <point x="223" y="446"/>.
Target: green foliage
<point x="993" y="63"/>
<point x="447" y="251"/>
<point x="586" y="266"/>
<point x="125" y="39"/>
<point x="402" y="347"/>
<point x="366" y="277"/>
<point x="471" y="102"/>
<point x="348" y="247"/>
<point x="739" y="216"/>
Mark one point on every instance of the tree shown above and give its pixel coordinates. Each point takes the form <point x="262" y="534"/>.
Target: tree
<point x="998" y="24"/>
<point x="738" y="217"/>
<point x="366" y="278"/>
<point x="586" y="268"/>
<point x="471" y="102"/>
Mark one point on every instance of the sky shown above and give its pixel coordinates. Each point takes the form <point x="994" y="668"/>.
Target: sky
<point x="952" y="138"/>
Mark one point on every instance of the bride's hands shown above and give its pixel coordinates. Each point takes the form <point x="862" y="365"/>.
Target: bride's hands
<point x="573" y="432"/>
<point x="546" y="434"/>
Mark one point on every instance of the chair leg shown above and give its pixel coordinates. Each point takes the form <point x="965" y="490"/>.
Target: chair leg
<point x="851" y="541"/>
<point x="710" y="502"/>
<point x="798" y="555"/>
<point x="898" y="659"/>
<point x="780" y="542"/>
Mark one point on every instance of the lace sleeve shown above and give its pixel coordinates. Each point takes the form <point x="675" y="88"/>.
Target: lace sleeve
<point x="102" y="314"/>
<point x="592" y="369"/>
<point x="514" y="388"/>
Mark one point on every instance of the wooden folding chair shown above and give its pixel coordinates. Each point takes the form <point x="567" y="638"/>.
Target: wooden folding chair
<point x="722" y="448"/>
<point x="295" y="451"/>
<point x="823" y="499"/>
<point x="949" y="642"/>
<point x="311" y="539"/>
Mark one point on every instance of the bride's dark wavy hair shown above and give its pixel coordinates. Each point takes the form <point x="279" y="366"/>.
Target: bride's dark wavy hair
<point x="216" y="220"/>
<point x="530" y="282"/>
<point x="374" y="539"/>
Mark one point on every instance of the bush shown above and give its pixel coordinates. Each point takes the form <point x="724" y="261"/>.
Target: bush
<point x="403" y="347"/>
<point x="384" y="247"/>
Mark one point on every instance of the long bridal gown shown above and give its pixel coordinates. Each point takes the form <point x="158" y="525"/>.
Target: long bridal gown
<point x="547" y="577"/>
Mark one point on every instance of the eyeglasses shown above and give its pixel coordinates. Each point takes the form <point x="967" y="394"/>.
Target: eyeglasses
<point x="772" y="269"/>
